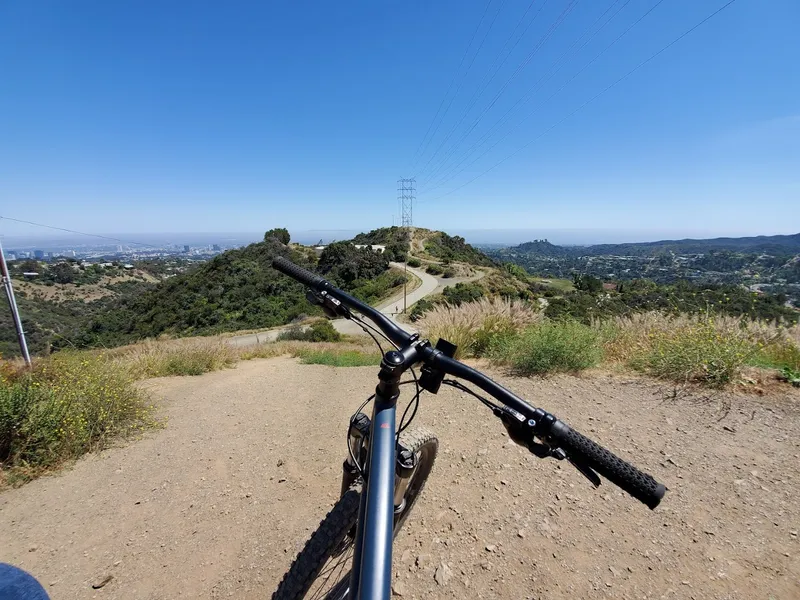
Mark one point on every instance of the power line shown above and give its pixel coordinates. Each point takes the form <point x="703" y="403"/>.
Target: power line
<point x="461" y="83"/>
<point x="450" y="173"/>
<point x="450" y="87"/>
<point x="521" y="67"/>
<point x="447" y="171"/>
<point x="105" y="237"/>
<point x="593" y="98"/>
<point x="479" y="90"/>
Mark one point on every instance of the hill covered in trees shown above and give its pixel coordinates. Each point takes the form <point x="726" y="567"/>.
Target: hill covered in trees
<point x="239" y="289"/>
<point x="425" y="243"/>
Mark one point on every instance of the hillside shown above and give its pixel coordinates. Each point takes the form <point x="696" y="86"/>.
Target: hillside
<point x="62" y="300"/>
<point x="426" y="244"/>
<point x="765" y="264"/>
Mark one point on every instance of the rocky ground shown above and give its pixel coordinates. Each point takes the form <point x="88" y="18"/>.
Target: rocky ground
<point x="216" y="504"/>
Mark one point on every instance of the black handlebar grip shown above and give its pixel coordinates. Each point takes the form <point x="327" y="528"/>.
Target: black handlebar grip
<point x="299" y="273"/>
<point x="639" y="485"/>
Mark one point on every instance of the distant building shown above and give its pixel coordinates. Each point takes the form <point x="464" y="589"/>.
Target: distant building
<point x="374" y="247"/>
<point x="38" y="254"/>
<point x="186" y="249"/>
<point x="216" y="248"/>
<point x="12" y="256"/>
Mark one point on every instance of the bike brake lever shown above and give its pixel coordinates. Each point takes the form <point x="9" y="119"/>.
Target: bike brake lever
<point x="586" y="471"/>
<point x="545" y="451"/>
<point x="332" y="307"/>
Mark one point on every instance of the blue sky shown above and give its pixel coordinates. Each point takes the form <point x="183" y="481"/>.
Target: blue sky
<point x="239" y="116"/>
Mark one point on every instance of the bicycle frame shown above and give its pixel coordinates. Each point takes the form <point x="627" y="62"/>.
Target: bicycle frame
<point x="371" y="574"/>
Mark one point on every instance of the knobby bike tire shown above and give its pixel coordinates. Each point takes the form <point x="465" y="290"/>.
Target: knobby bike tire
<point x="340" y="522"/>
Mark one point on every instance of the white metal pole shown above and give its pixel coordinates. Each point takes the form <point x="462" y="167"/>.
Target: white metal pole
<point x="12" y="303"/>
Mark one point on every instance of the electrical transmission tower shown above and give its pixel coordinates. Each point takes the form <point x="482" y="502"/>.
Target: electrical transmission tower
<point x="405" y="195"/>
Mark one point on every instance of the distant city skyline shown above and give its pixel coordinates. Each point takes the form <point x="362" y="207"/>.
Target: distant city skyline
<point x="142" y="241"/>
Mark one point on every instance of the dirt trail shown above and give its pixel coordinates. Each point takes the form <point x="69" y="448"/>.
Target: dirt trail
<point x="216" y="504"/>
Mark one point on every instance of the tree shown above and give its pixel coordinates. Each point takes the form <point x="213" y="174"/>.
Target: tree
<point x="344" y="264"/>
<point x="279" y="233"/>
<point x="397" y="251"/>
<point x="29" y="266"/>
<point x="587" y="283"/>
<point x="63" y="273"/>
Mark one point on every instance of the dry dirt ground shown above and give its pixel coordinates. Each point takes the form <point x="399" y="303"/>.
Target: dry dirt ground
<point x="216" y="504"/>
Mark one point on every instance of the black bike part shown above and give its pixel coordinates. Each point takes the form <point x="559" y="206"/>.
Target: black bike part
<point x="431" y="379"/>
<point x="639" y="485"/>
<point x="314" y="281"/>
<point x="334" y="537"/>
<point x="302" y="275"/>
<point x="328" y="542"/>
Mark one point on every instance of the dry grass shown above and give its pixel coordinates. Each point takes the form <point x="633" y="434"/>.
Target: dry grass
<point x="474" y="325"/>
<point x="710" y="349"/>
<point x="186" y="356"/>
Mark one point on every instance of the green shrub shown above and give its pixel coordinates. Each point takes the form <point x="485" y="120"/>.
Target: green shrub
<point x="340" y="358"/>
<point x="699" y="352"/>
<point x="414" y="262"/>
<point x="420" y="308"/>
<point x="448" y="273"/>
<point x="319" y="331"/>
<point x="549" y="347"/>
<point x="66" y="406"/>
<point x="434" y="269"/>
<point x="779" y="354"/>
<point x="791" y="376"/>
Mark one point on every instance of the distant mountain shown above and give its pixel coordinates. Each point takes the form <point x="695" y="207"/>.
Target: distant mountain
<point x="542" y="248"/>
<point x="774" y="244"/>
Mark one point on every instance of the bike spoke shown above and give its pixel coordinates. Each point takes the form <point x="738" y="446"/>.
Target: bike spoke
<point x="331" y="573"/>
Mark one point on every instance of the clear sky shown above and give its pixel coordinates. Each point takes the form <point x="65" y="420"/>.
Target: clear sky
<point x="144" y="116"/>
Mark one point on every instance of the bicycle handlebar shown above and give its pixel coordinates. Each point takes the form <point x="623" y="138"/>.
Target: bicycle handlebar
<point x="578" y="447"/>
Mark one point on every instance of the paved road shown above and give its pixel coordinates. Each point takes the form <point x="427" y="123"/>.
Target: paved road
<point x="389" y="307"/>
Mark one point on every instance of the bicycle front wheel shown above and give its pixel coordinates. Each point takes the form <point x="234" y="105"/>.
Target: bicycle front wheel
<point x="322" y="568"/>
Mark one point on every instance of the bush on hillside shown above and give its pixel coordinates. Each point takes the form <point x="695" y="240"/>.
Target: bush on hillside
<point x="434" y="269"/>
<point x="414" y="262"/>
<point x="550" y="347"/>
<point x="66" y="406"/>
<point x="318" y="331"/>
<point x="699" y="352"/>
<point x="461" y="293"/>
<point x="455" y="248"/>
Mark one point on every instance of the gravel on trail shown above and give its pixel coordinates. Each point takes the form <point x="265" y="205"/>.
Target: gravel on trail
<point x="217" y="503"/>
